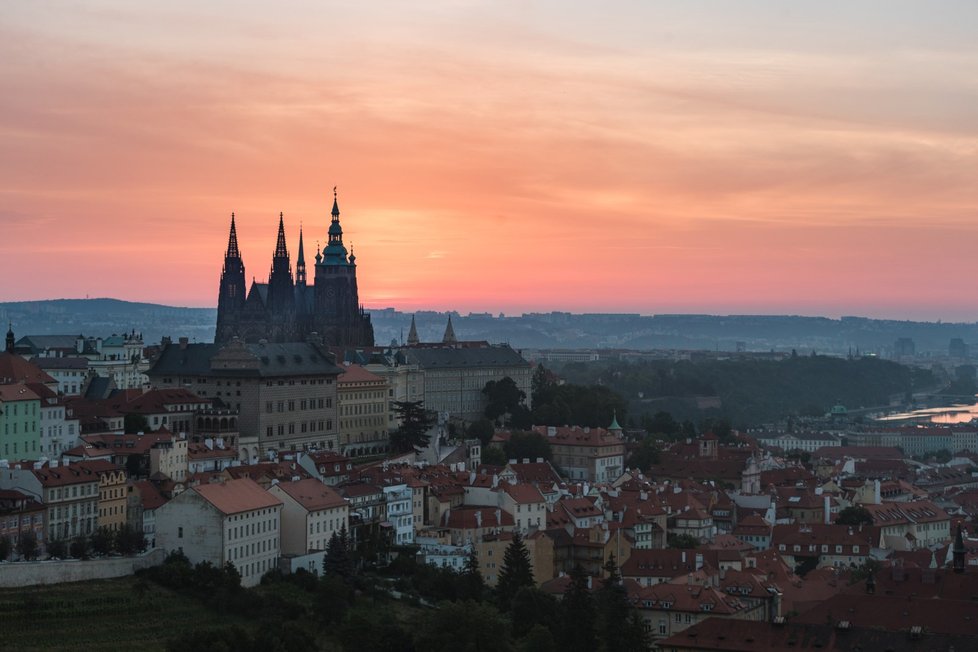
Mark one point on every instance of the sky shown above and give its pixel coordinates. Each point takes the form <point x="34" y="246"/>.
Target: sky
<point x="761" y="157"/>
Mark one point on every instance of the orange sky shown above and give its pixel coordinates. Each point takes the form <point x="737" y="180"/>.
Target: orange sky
<point x="750" y="157"/>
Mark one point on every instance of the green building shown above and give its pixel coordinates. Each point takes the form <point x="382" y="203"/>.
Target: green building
<point x="20" y="423"/>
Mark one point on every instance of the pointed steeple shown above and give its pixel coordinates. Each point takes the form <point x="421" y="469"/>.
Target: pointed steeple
<point x="614" y="427"/>
<point x="280" y="248"/>
<point x="233" y="242"/>
<point x="300" y="263"/>
<point x="413" y="333"/>
<point x="335" y="253"/>
<point x="10" y="338"/>
<point x="449" y="337"/>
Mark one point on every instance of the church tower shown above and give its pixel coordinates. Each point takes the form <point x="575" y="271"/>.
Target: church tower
<point x="231" y="296"/>
<point x="339" y="317"/>
<point x="301" y="306"/>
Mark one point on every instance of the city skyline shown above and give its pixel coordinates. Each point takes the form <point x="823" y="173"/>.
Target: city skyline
<point x="501" y="157"/>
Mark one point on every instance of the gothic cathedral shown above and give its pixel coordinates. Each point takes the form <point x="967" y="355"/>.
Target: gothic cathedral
<point x="287" y="309"/>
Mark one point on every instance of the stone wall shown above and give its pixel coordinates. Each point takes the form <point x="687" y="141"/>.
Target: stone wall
<point x="31" y="573"/>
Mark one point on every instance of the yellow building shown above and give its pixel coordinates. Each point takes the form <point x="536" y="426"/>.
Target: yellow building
<point x="111" y="494"/>
<point x="364" y="411"/>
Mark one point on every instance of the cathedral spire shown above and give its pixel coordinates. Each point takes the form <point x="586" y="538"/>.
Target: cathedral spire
<point x="233" y="241"/>
<point x="449" y="337"/>
<point x="336" y="207"/>
<point x="413" y="333"/>
<point x="300" y="263"/>
<point x="281" y="251"/>
<point x="10" y="338"/>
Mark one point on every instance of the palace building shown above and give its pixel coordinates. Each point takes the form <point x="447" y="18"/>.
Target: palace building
<point x="288" y="308"/>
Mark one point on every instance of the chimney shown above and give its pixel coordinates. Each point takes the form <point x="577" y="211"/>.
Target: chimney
<point x="827" y="507"/>
<point x="478" y="518"/>
<point x="684" y="556"/>
<point x="876" y="492"/>
<point x="184" y="342"/>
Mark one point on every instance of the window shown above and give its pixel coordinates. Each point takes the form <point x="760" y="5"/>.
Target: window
<point x="179" y="532"/>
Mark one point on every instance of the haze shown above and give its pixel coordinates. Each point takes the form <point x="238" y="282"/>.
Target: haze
<point x="733" y="157"/>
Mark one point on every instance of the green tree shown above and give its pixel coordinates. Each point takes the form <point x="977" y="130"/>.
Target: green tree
<point x="4" y="548"/>
<point x="531" y="607"/>
<point x="527" y="445"/>
<point x="463" y="627"/>
<point x="684" y="541"/>
<point x="516" y="572"/>
<point x="57" y="548"/>
<point x="27" y="545"/>
<point x="473" y="586"/>
<point x="102" y="540"/>
<point x="375" y="632"/>
<point x="481" y="429"/>
<point x="79" y="548"/>
<point x="854" y="515"/>
<point x="332" y="601"/>
<point x="539" y="639"/>
<point x="493" y="455"/>
<point x="133" y="423"/>
<point x="645" y="456"/>
<point x="616" y="627"/>
<point x="503" y="397"/>
<point x="336" y="561"/>
<point x="576" y="633"/>
<point x="412" y="434"/>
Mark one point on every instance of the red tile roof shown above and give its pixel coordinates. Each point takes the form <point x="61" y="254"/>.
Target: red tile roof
<point x="14" y="369"/>
<point x="312" y="494"/>
<point x="236" y="496"/>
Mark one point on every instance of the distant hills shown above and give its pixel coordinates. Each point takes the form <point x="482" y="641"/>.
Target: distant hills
<point x="527" y="331"/>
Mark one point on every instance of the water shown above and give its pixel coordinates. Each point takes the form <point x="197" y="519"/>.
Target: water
<point x="947" y="415"/>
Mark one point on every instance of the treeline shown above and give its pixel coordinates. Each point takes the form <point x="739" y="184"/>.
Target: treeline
<point x="409" y="608"/>
<point x="753" y="391"/>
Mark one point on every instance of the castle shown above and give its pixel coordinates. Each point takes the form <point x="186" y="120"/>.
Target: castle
<point x="287" y="309"/>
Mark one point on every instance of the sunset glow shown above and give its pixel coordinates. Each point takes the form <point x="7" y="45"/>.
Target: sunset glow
<point x="749" y="157"/>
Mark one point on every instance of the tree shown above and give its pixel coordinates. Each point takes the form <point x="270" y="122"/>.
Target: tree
<point x="645" y="456"/>
<point x="531" y="607"/>
<point x="527" y="445"/>
<point x="618" y="629"/>
<point x="133" y="423"/>
<point x="684" y="541"/>
<point x="4" y="548"/>
<point x="473" y="586"/>
<point x="57" y="548"/>
<point x="79" y="548"/>
<point x="577" y="614"/>
<point x="516" y="572"/>
<point x="482" y="430"/>
<point x="27" y="545"/>
<point x="412" y="434"/>
<point x="336" y="561"/>
<point x="494" y="456"/>
<point x="854" y="515"/>
<point x="503" y="397"/>
<point x="463" y="626"/>
<point x="102" y="540"/>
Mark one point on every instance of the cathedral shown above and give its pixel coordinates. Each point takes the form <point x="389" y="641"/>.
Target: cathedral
<point x="287" y="308"/>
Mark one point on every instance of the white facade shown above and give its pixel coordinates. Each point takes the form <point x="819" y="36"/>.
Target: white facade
<point x="245" y="530"/>
<point x="58" y="432"/>
<point x="400" y="512"/>
<point x="308" y="525"/>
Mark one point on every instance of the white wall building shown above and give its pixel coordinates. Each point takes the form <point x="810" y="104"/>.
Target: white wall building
<point x="400" y="512"/>
<point x="311" y="513"/>
<point x="236" y="521"/>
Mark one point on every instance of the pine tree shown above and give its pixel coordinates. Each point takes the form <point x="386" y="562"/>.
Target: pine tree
<point x="472" y="583"/>
<point x="617" y="629"/>
<point x="516" y="573"/>
<point x="577" y="614"/>
<point x="412" y="434"/>
<point x="336" y="561"/>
